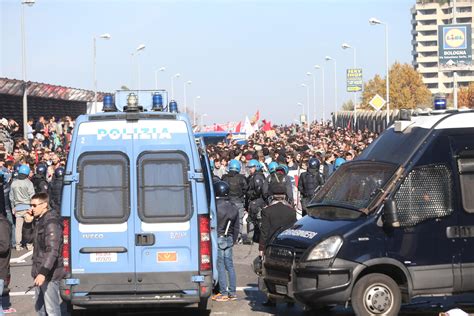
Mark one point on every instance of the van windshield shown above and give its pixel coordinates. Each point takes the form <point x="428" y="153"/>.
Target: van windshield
<point x="355" y="184"/>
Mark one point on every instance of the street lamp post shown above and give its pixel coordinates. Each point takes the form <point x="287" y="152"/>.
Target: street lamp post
<point x="105" y="36"/>
<point x="202" y="119"/>
<point x="302" y="108"/>
<point x="172" y="84"/>
<point x="314" y="93"/>
<point x="138" y="50"/>
<point x="322" y="80"/>
<point x="374" y="21"/>
<point x="186" y="83"/>
<point x="346" y="46"/>
<point x="194" y="108"/>
<point x="328" y="58"/>
<point x="307" y="102"/>
<point x="156" y="76"/>
<point x="23" y="63"/>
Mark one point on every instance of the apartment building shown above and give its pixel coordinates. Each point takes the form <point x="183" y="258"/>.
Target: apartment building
<point x="426" y="16"/>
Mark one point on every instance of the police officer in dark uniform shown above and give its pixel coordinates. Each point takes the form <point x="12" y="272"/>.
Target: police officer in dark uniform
<point x="309" y="183"/>
<point x="278" y="215"/>
<point x="255" y="201"/>
<point x="275" y="180"/>
<point x="39" y="179"/>
<point x="238" y="189"/>
<point x="55" y="189"/>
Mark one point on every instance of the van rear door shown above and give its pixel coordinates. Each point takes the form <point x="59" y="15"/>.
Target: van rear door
<point x="166" y="229"/>
<point x="102" y="228"/>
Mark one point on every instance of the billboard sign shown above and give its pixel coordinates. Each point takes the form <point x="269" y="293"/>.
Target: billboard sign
<point x="354" y="80"/>
<point x="455" y="47"/>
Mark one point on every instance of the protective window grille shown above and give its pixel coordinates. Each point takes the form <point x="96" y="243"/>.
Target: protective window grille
<point x="103" y="189"/>
<point x="425" y="193"/>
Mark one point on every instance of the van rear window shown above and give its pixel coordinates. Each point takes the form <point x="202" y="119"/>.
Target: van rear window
<point x="164" y="191"/>
<point x="103" y="194"/>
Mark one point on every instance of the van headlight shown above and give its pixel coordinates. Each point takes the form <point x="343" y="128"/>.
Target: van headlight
<point x="326" y="249"/>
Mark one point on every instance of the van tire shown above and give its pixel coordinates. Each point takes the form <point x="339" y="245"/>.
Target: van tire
<point x="376" y="294"/>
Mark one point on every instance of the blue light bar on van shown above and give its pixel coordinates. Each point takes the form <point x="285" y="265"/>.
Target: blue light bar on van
<point x="173" y="106"/>
<point x="109" y="105"/>
<point x="157" y="102"/>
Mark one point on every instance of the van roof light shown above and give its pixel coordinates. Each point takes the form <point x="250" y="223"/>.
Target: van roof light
<point x="132" y="104"/>
<point x="108" y="103"/>
<point x="173" y="106"/>
<point x="157" y="102"/>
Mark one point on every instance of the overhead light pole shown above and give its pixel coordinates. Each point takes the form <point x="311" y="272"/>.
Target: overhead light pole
<point x="314" y="93"/>
<point x="23" y="68"/>
<point x="328" y="58"/>
<point x="172" y="84"/>
<point x="374" y="21"/>
<point x="156" y="76"/>
<point x="322" y="80"/>
<point x="105" y="36"/>
<point x="347" y="46"/>
<point x="186" y="83"/>
<point x="202" y="119"/>
<point x="138" y="50"/>
<point x="194" y="108"/>
<point x="307" y="102"/>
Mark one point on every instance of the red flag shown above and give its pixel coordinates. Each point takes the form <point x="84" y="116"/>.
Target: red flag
<point x="267" y="126"/>
<point x="238" y="127"/>
<point x="255" y="118"/>
<point x="219" y="128"/>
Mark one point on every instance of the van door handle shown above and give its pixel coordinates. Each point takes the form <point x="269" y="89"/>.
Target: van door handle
<point x="452" y="232"/>
<point x="144" y="239"/>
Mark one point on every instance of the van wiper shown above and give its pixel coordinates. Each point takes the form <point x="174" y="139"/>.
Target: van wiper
<point x="337" y="204"/>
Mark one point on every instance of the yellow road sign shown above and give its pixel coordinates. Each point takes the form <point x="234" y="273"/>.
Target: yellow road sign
<point x="377" y="102"/>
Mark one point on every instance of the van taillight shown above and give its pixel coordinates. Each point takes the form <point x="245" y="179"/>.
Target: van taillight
<point x="205" y="253"/>
<point x="66" y="244"/>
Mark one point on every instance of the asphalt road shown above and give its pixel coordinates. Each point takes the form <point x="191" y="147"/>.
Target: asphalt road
<point x="249" y="302"/>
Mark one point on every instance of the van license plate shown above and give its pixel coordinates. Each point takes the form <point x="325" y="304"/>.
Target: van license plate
<point x="104" y="257"/>
<point x="281" y="289"/>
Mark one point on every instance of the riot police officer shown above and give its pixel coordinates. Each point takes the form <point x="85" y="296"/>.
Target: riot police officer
<point x="39" y="179"/>
<point x="55" y="189"/>
<point x="275" y="179"/>
<point x="238" y="189"/>
<point x="255" y="201"/>
<point x="309" y="183"/>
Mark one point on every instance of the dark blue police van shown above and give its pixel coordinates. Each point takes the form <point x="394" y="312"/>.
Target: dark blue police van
<point x="139" y="211"/>
<point x="394" y="224"/>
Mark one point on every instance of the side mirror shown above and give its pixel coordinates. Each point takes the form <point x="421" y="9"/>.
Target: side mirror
<point x="390" y="216"/>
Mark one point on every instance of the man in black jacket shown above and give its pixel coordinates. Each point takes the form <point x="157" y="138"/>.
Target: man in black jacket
<point x="5" y="252"/>
<point x="55" y="189"/>
<point x="47" y="269"/>
<point x="278" y="215"/>
<point x="228" y="232"/>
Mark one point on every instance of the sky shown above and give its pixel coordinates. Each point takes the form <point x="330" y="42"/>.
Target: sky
<point x="241" y="55"/>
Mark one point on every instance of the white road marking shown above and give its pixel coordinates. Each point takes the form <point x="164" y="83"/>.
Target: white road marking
<point x="31" y="293"/>
<point x="22" y="258"/>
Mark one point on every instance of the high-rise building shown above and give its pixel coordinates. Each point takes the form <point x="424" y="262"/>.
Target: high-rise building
<point x="426" y="16"/>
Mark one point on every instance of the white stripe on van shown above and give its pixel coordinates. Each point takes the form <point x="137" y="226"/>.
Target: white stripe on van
<point x="103" y="228"/>
<point x="120" y="127"/>
<point x="165" y="227"/>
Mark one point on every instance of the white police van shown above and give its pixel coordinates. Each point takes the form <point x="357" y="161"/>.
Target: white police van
<point x="138" y="209"/>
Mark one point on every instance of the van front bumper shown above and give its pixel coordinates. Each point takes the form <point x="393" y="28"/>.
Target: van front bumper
<point x="314" y="283"/>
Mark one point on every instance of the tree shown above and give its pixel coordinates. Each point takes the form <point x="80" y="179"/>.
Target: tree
<point x="407" y="90"/>
<point x="348" y="106"/>
<point x="466" y="96"/>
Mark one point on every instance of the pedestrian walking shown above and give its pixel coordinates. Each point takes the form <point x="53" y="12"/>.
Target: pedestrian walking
<point x="47" y="269"/>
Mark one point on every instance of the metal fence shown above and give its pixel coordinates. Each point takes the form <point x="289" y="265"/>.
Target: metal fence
<point x="374" y="121"/>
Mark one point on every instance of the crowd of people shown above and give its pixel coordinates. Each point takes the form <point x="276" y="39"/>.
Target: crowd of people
<point x="273" y="172"/>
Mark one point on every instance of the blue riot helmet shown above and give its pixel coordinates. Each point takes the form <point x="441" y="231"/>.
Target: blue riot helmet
<point x="24" y="169"/>
<point x="234" y="165"/>
<point x="338" y="163"/>
<point x="212" y="165"/>
<point x="41" y="169"/>
<point x="283" y="168"/>
<point x="272" y="166"/>
<point x="313" y="163"/>
<point x="254" y="163"/>
<point x="59" y="172"/>
<point x="221" y="188"/>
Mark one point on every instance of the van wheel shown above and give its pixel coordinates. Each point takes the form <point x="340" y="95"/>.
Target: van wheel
<point x="376" y="294"/>
<point x="203" y="306"/>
